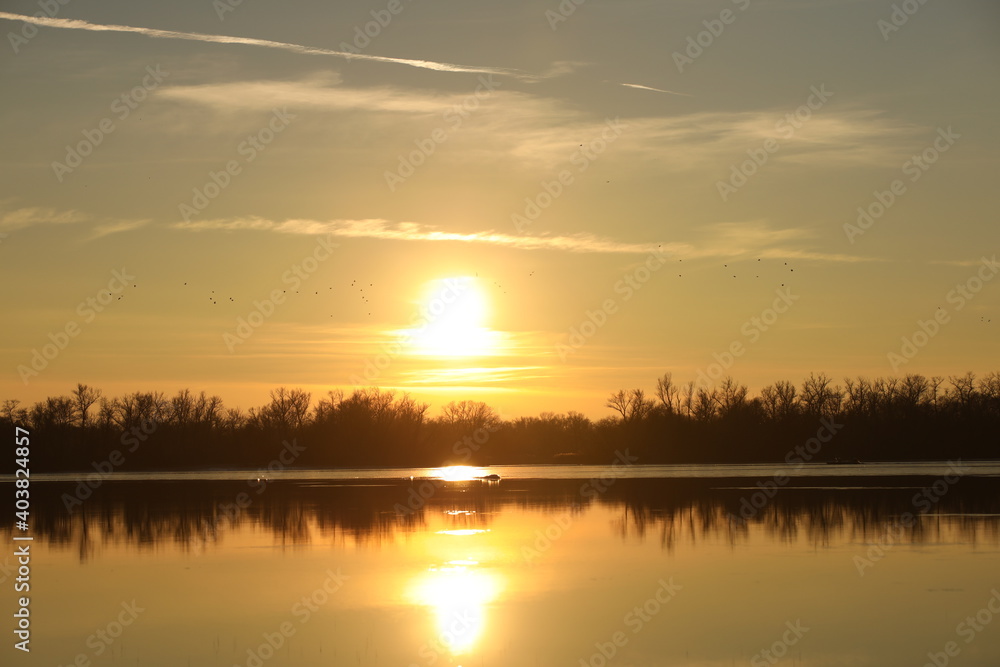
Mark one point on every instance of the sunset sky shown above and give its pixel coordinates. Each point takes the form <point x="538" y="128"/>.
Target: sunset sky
<point x="495" y="201"/>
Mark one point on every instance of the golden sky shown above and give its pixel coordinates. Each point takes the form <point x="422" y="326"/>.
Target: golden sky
<point x="508" y="202"/>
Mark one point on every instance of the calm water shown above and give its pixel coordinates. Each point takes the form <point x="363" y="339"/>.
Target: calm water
<point x="841" y="565"/>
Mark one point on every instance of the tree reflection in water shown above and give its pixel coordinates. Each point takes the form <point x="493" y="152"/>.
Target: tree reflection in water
<point x="198" y="515"/>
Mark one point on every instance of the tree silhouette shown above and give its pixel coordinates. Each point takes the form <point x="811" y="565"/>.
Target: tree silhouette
<point x="911" y="417"/>
<point x="631" y="405"/>
<point x="84" y="397"/>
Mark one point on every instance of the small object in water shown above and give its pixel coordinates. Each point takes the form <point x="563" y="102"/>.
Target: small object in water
<point x="492" y="477"/>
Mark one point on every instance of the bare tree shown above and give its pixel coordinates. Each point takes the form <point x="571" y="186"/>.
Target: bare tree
<point x="139" y="407"/>
<point x="731" y="397"/>
<point x="54" y="411"/>
<point x="631" y="405"/>
<point x="181" y="408"/>
<point x="620" y="401"/>
<point x="964" y="388"/>
<point x="642" y="407"/>
<point x="989" y="386"/>
<point x="989" y="390"/>
<point x="885" y="391"/>
<point x="208" y="410"/>
<point x="859" y="396"/>
<point x="106" y="413"/>
<point x="668" y="393"/>
<point x="288" y="410"/>
<point x="819" y="397"/>
<point x="470" y="415"/>
<point x="9" y="409"/>
<point x="84" y="397"/>
<point x="233" y="420"/>
<point x="326" y="409"/>
<point x="914" y="391"/>
<point x="705" y="405"/>
<point x="687" y="398"/>
<point x="779" y="400"/>
<point x="935" y="389"/>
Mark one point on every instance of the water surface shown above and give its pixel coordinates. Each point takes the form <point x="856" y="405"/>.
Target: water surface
<point x="664" y="565"/>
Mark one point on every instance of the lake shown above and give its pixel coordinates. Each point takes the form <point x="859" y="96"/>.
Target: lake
<point x="877" y="564"/>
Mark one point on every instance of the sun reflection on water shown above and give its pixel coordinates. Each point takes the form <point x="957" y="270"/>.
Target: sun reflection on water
<point x="463" y="531"/>
<point x="459" y="473"/>
<point x="458" y="591"/>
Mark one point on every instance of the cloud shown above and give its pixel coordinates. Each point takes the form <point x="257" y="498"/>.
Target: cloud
<point x="754" y="239"/>
<point x="29" y="216"/>
<point x="959" y="262"/>
<point x="116" y="227"/>
<point x="321" y="91"/>
<point x="792" y="253"/>
<point x="37" y="215"/>
<point x="411" y="231"/>
<point x="542" y="132"/>
<point x="841" y="137"/>
<point x="724" y="240"/>
<point x="534" y="129"/>
<point x="464" y="377"/>
<point x="77" y="24"/>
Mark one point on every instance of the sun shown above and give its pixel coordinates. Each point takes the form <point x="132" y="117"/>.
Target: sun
<point x="452" y="320"/>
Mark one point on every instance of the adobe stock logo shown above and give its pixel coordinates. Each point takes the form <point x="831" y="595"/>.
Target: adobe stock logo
<point x="915" y="167"/>
<point x="752" y="329"/>
<point x="627" y="286"/>
<point x="122" y="107"/>
<point x="88" y="310"/>
<point x="959" y="296"/>
<point x="701" y="42"/>
<point x="739" y="174"/>
<point x="249" y="148"/>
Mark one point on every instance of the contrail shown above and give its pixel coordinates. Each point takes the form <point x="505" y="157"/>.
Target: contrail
<point x="77" y="24"/>
<point x="658" y="90"/>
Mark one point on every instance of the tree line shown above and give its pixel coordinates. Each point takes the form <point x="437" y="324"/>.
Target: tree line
<point x="911" y="417"/>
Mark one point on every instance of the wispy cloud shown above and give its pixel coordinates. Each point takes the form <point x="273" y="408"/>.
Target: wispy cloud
<point x="725" y="240"/>
<point x="320" y="91"/>
<point x="960" y="262"/>
<point x="78" y="24"/>
<point x="704" y="140"/>
<point x="412" y="231"/>
<point x="476" y="376"/>
<point x="544" y="131"/>
<point x="117" y="227"/>
<point x="794" y="253"/>
<point x="37" y="215"/>
<point x="838" y="137"/>
<point x="756" y="239"/>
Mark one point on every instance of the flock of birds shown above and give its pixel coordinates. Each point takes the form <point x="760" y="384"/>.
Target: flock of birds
<point x="756" y="275"/>
<point x="364" y="298"/>
<point x="214" y="298"/>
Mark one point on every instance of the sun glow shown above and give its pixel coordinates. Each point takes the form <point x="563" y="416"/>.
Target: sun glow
<point x="452" y="323"/>
<point x="460" y="473"/>
<point x="458" y="593"/>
